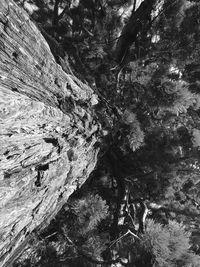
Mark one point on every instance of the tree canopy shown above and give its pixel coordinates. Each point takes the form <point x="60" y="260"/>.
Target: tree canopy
<point x="141" y="205"/>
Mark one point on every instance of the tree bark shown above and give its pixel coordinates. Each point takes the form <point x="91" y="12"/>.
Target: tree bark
<point x="47" y="129"/>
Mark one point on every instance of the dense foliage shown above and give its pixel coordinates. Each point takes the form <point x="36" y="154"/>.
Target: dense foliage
<point x="140" y="207"/>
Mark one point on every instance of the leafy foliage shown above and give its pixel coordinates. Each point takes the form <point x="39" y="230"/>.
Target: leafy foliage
<point x="76" y="236"/>
<point x="89" y="211"/>
<point x="136" y="135"/>
<point x="95" y="245"/>
<point x="196" y="138"/>
<point x="168" y="245"/>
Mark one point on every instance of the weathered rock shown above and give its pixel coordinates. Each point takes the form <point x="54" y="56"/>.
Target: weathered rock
<point x="47" y="131"/>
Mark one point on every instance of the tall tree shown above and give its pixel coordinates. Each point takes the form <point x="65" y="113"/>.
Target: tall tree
<point x="48" y="132"/>
<point x="141" y="58"/>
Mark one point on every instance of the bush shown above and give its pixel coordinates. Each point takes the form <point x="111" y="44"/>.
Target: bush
<point x="169" y="245"/>
<point x="90" y="211"/>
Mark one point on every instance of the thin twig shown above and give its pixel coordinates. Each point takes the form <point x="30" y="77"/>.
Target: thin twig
<point x="50" y="235"/>
<point x="128" y="232"/>
<point x="88" y="257"/>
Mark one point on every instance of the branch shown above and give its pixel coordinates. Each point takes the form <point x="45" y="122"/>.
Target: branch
<point x="90" y="258"/>
<point x="88" y="32"/>
<point x="55" y="13"/>
<point x="155" y="207"/>
<point x="134" y="5"/>
<point x="162" y="11"/>
<point x="128" y="232"/>
<point x="46" y="237"/>
<point x="63" y="12"/>
<point x="132" y="29"/>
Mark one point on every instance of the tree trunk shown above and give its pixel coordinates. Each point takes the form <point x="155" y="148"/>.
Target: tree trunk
<point x="47" y="129"/>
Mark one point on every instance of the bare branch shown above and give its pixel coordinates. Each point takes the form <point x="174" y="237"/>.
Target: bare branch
<point x="121" y="237"/>
<point x="55" y="13"/>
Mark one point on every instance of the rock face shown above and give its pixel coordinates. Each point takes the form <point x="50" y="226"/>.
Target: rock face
<point x="47" y="131"/>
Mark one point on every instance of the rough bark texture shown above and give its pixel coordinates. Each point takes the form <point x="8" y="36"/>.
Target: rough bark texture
<point x="47" y="131"/>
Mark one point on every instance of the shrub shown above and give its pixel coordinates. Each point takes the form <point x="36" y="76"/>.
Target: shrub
<point x="169" y="245"/>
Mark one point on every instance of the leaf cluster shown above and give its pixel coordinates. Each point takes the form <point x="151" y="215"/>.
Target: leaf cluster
<point x="169" y="245"/>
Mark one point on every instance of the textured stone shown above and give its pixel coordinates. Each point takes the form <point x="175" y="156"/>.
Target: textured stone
<point x="47" y="132"/>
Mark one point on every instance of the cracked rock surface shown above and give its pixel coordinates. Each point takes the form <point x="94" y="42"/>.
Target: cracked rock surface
<point x="47" y="131"/>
